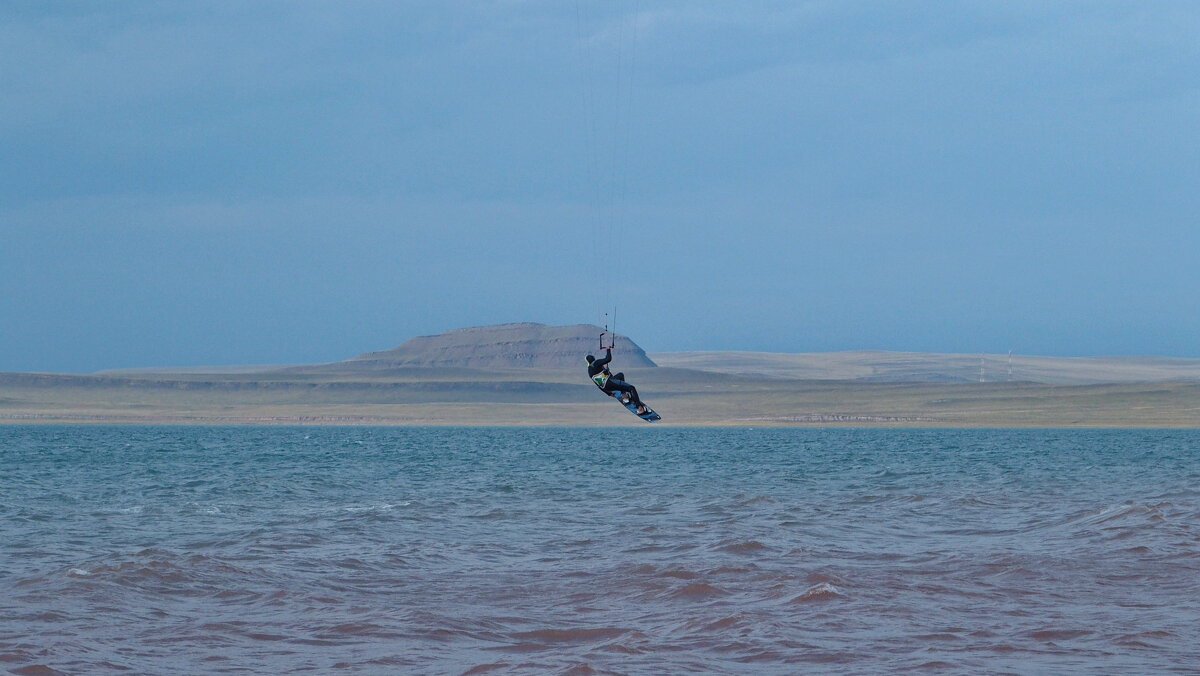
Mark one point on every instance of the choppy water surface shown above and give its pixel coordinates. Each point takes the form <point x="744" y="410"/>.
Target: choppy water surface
<point x="172" y="550"/>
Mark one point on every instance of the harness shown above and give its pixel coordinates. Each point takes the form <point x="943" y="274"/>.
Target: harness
<point x="601" y="378"/>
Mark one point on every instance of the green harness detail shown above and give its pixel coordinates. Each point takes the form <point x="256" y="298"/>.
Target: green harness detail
<point x="601" y="378"/>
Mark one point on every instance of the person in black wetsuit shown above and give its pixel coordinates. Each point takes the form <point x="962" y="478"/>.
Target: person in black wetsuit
<point x="608" y="382"/>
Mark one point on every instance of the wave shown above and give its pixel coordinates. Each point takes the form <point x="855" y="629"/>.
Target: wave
<point x="486" y="668"/>
<point x="1052" y="635"/>
<point x="575" y="635"/>
<point x="696" y="591"/>
<point x="37" y="670"/>
<point x="820" y="592"/>
<point x="741" y="546"/>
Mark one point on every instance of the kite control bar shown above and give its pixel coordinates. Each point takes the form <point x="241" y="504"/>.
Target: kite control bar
<point x="612" y="342"/>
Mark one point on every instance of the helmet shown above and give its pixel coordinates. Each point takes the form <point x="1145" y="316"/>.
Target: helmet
<point x="589" y="359"/>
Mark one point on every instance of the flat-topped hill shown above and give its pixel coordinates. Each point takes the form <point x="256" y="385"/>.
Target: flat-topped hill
<point x="533" y="374"/>
<point x="501" y="346"/>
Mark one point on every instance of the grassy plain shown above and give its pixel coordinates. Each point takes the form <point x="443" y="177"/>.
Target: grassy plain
<point x="885" y="366"/>
<point x="563" y="397"/>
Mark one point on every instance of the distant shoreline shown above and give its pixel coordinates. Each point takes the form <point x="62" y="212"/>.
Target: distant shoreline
<point x="688" y="390"/>
<point x="16" y="420"/>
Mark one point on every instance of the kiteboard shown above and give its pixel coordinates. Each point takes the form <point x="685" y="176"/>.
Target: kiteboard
<point x="648" y="416"/>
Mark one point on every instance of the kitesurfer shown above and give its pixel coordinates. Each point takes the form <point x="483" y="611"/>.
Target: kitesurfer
<point x="609" y="383"/>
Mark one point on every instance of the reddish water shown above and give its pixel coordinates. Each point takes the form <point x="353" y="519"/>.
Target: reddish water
<point x="478" y="551"/>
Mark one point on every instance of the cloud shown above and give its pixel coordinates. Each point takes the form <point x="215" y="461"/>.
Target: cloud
<point x="759" y="151"/>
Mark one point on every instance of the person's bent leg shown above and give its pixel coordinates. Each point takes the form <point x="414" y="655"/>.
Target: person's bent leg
<point x="633" y="393"/>
<point x="622" y="386"/>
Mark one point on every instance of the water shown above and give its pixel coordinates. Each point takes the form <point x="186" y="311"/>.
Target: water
<point x="170" y="550"/>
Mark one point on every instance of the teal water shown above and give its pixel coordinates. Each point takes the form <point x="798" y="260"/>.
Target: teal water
<point x="176" y="550"/>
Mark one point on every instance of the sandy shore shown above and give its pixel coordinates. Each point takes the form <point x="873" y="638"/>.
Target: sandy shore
<point x="526" y="397"/>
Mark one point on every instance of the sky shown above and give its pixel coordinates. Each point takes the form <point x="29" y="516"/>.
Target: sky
<point x="293" y="182"/>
